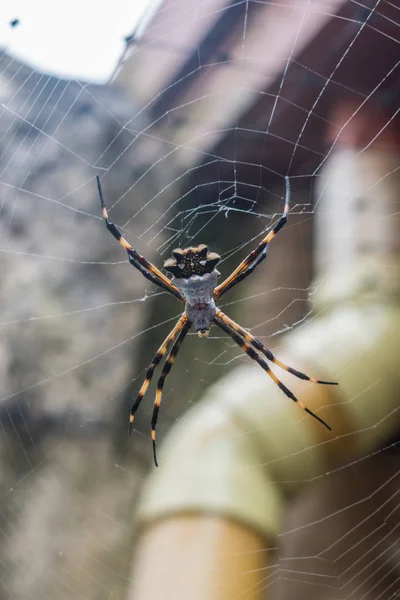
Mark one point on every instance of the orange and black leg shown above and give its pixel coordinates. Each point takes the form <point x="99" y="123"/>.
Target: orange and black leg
<point x="183" y="322"/>
<point x="245" y="346"/>
<point x="255" y="257"/>
<point x="147" y="269"/>
<point x="160" y="385"/>
<point x="259" y="346"/>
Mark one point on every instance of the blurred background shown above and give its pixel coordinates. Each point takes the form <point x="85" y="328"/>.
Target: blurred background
<point x="192" y="113"/>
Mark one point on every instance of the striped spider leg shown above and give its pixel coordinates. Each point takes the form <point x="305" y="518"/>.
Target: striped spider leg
<point x="247" y="266"/>
<point x="139" y="262"/>
<point x="160" y="384"/>
<point x="178" y="334"/>
<point x="243" y="339"/>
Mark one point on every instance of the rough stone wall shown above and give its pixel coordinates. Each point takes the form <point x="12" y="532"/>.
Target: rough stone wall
<point x="70" y="305"/>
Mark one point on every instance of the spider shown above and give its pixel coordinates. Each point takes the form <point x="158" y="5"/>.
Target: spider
<point x="194" y="281"/>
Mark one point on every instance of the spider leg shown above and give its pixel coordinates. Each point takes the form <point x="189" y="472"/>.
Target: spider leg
<point x="160" y="384"/>
<point x="247" y="266"/>
<point x="147" y="269"/>
<point x="259" y="346"/>
<point x="156" y="360"/>
<point x="246" y="272"/>
<point x="254" y="356"/>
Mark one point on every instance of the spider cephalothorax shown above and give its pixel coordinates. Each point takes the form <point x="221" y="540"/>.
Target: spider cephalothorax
<point x="194" y="281"/>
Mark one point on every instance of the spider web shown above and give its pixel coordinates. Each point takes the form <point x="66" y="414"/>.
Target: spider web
<point x="187" y="164"/>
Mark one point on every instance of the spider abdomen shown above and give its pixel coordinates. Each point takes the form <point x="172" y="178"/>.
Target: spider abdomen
<point x="197" y="289"/>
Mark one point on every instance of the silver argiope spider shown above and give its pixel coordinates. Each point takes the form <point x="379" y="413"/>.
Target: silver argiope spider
<point x="194" y="281"/>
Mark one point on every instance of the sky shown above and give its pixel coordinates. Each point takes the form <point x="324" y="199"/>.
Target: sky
<point x="81" y="39"/>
